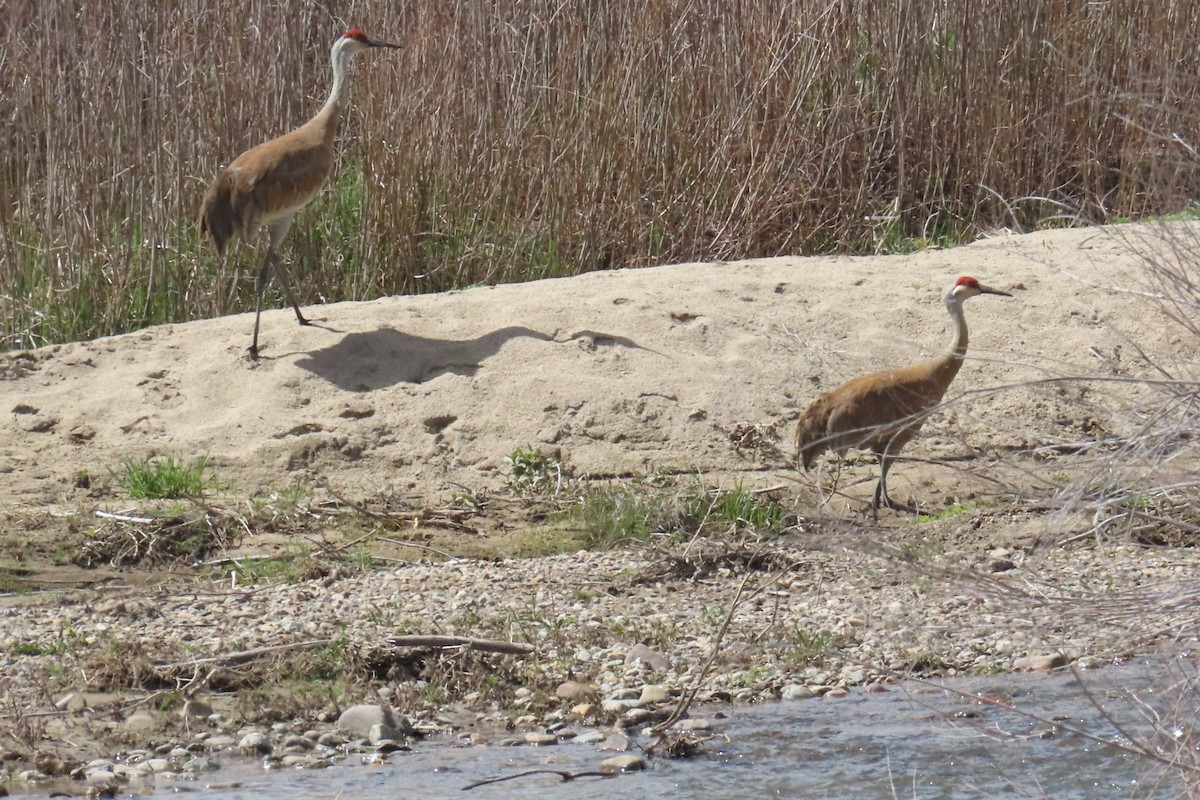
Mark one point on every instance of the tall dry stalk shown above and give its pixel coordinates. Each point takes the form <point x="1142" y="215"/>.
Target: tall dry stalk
<point x="518" y="140"/>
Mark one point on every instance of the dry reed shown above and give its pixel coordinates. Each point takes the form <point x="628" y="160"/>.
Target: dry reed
<point x="519" y="140"/>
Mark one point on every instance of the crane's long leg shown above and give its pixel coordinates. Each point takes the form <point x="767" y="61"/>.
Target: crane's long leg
<point x="285" y="280"/>
<point x="278" y="229"/>
<point x="260" y="285"/>
<point x="881" y="492"/>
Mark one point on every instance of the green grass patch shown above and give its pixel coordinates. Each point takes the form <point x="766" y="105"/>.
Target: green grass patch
<point x="945" y="513"/>
<point x="69" y="640"/>
<point x="530" y="470"/>
<point x="608" y="516"/>
<point x="163" y="477"/>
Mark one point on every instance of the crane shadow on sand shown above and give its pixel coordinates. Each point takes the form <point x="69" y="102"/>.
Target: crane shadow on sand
<point x="365" y="362"/>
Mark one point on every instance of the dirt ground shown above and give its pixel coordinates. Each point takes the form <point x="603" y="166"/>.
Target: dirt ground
<point x="617" y="374"/>
<point x="692" y="372"/>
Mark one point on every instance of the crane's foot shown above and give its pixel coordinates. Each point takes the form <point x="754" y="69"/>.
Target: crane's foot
<point x="253" y="352"/>
<point x="887" y="502"/>
<point x="904" y="507"/>
<point x="301" y="319"/>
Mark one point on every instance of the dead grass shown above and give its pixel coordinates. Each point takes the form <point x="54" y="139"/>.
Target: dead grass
<point x="513" y="141"/>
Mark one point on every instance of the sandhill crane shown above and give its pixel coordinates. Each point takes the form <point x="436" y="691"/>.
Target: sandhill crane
<point x="882" y="411"/>
<point x="268" y="184"/>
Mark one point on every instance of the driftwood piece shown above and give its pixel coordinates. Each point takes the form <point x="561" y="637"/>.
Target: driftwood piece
<point x="486" y="645"/>
<point x="415" y="640"/>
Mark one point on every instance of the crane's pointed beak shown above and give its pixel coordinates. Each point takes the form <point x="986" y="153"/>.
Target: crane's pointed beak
<point x="990" y="290"/>
<point x="375" y="43"/>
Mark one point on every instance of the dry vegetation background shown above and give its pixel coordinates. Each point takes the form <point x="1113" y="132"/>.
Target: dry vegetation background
<point x="518" y="140"/>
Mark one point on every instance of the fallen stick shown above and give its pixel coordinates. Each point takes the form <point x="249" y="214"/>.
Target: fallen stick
<point x="487" y="645"/>
<point x="415" y="640"/>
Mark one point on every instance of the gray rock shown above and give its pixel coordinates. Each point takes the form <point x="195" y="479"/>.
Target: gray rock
<point x="331" y="739"/>
<point x="198" y="764"/>
<point x="1040" y="663"/>
<point x="652" y="693"/>
<point x="623" y="763"/>
<point x="195" y="709"/>
<point x="613" y="705"/>
<point x="255" y="743"/>
<point x="574" y="690"/>
<point x="617" y="742"/>
<point x="649" y="657"/>
<point x="361" y="718"/>
<point x="380" y="732"/>
<point x="797" y="691"/>
<point x="539" y="739"/>
<point x="101" y="779"/>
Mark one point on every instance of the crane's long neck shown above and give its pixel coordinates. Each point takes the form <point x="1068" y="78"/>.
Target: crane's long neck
<point x="946" y="366"/>
<point x="958" y="345"/>
<point x="330" y="114"/>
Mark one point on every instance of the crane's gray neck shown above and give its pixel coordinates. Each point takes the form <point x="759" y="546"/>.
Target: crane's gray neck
<point x="340" y="56"/>
<point x="958" y="345"/>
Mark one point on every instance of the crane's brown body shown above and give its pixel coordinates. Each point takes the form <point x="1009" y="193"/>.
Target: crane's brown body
<point x="266" y="185"/>
<point x="881" y="412"/>
<point x="270" y="182"/>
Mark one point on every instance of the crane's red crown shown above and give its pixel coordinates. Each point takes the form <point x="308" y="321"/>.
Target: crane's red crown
<point x="355" y="33"/>
<point x="966" y="280"/>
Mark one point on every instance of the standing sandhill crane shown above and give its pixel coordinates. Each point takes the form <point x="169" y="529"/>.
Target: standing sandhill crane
<point x="268" y="184"/>
<point x="882" y="411"/>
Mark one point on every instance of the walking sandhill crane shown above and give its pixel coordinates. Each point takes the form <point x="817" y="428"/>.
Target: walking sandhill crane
<point x="266" y="185"/>
<point x="882" y="411"/>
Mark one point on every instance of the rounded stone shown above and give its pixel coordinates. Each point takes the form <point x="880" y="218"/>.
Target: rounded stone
<point x="627" y="762"/>
<point x="652" y="693"/>
<point x="256" y="743"/>
<point x="797" y="691"/>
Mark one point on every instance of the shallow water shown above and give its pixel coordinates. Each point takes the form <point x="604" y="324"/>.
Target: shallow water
<point x="911" y="742"/>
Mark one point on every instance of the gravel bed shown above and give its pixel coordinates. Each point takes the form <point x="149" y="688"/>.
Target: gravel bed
<point x="619" y="637"/>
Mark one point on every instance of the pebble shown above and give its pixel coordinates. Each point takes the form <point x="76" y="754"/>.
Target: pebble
<point x="198" y="764"/>
<point x="539" y="739"/>
<point x="574" y="690"/>
<point x="360" y="719"/>
<point x="695" y="725"/>
<point x="101" y="779"/>
<point x="653" y="694"/>
<point x="623" y="763"/>
<point x="797" y="691"/>
<point x="903" y="617"/>
<point x="617" y="706"/>
<point x="648" y="656"/>
<point x="380" y="732"/>
<point x="193" y="708"/>
<point x="616" y="741"/>
<point x="255" y="743"/>
<point x="1039" y="663"/>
